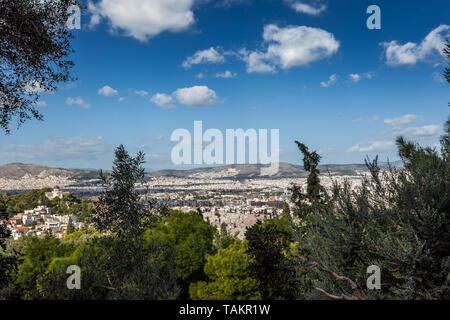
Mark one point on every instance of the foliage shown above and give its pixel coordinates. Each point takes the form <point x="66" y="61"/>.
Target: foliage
<point x="229" y="276"/>
<point x="5" y="263"/>
<point x="398" y="219"/>
<point x="279" y="273"/>
<point x="70" y="227"/>
<point x="34" y="51"/>
<point x="119" y="209"/>
<point x="37" y="256"/>
<point x="191" y="239"/>
<point x="111" y="269"/>
<point x="69" y="204"/>
<point x="313" y="200"/>
<point x="222" y="239"/>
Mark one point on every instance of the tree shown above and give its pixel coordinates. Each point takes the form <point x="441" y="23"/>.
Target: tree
<point x="112" y="269"/>
<point x="315" y="195"/>
<point x="34" y="55"/>
<point x="286" y="214"/>
<point x="280" y="274"/>
<point x="70" y="227"/>
<point x="222" y="239"/>
<point x="119" y="209"/>
<point x="37" y="256"/>
<point x="191" y="238"/>
<point x="447" y="53"/>
<point x="398" y="220"/>
<point x="4" y="234"/>
<point x="229" y="276"/>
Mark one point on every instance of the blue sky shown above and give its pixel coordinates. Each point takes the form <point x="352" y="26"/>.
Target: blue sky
<point x="309" y="68"/>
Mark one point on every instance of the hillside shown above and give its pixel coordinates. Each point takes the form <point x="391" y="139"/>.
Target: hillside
<point x="242" y="171"/>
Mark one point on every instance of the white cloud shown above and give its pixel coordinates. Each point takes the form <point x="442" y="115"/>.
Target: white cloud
<point x="163" y="100"/>
<point x="107" y="91"/>
<point x="142" y="93"/>
<point x="210" y="55"/>
<point x="373" y="146"/>
<point x="406" y="119"/>
<point x="197" y="96"/>
<point x="227" y="74"/>
<point x="255" y="62"/>
<point x="78" y="101"/>
<point x="428" y="131"/>
<point x="411" y="53"/>
<point x="56" y="148"/>
<point x="143" y="19"/>
<point x="200" y="75"/>
<point x="331" y="80"/>
<point x="121" y="99"/>
<point x="302" y="7"/>
<point x="355" y="77"/>
<point x="289" y="47"/>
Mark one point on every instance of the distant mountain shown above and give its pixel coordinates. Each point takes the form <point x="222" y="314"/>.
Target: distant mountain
<point x="247" y="171"/>
<point x="19" y="170"/>
<point x="238" y="171"/>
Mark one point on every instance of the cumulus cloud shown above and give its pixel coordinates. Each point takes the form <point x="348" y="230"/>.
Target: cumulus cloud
<point x="227" y="74"/>
<point x="373" y="146"/>
<point x="428" y="131"/>
<point x="331" y="81"/>
<point x="210" y="55"/>
<point x="143" y="19"/>
<point x="355" y="77"/>
<point x="197" y="96"/>
<point x="57" y="148"/>
<point x="289" y="47"/>
<point x="406" y="119"/>
<point x="107" y="91"/>
<point x="163" y="100"/>
<point x="410" y="53"/>
<point x="310" y="9"/>
<point x="256" y="62"/>
<point x="77" y="101"/>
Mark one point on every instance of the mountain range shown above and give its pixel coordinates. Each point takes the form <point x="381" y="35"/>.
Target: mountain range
<point x="240" y="171"/>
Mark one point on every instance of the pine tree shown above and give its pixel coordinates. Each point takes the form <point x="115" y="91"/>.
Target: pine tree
<point x="70" y="227"/>
<point x="315" y="195"/>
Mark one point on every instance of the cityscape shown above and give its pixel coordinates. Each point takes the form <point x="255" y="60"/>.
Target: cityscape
<point x="222" y="158"/>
